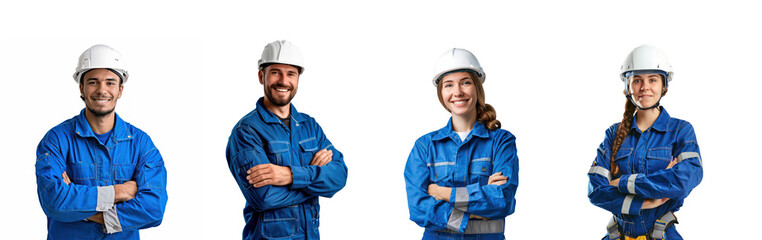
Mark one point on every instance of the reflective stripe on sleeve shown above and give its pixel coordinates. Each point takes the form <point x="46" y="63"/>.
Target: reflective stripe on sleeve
<point x="601" y="171"/>
<point x="105" y="199"/>
<point x="437" y="164"/>
<point x="111" y="222"/>
<point x="631" y="183"/>
<point x="461" y="199"/>
<point x="687" y="155"/>
<point x="626" y="204"/>
<point x="456" y="218"/>
<point x="476" y="226"/>
<point x="484" y="159"/>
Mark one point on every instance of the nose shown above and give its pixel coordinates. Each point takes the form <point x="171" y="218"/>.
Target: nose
<point x="458" y="90"/>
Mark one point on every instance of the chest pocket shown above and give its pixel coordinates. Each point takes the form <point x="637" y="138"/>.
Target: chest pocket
<point x="309" y="147"/>
<point x="278" y="153"/>
<point x="124" y="165"/>
<point x="658" y="158"/>
<point x="480" y="169"/>
<point x="438" y="171"/>
<point x="622" y="160"/>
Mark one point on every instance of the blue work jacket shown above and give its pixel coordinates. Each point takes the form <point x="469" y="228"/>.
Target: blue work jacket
<point x="128" y="154"/>
<point x="642" y="160"/>
<point x="441" y="158"/>
<point x="283" y="212"/>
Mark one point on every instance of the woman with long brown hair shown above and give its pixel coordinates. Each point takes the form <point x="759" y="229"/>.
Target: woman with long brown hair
<point x="649" y="162"/>
<point x="461" y="179"/>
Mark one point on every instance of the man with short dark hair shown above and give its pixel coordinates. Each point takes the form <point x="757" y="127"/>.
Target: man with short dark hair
<point x="98" y="176"/>
<point x="280" y="158"/>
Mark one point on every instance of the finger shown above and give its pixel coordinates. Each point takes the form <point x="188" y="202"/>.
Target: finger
<point x="260" y="171"/>
<point x="496" y="178"/>
<point x="258" y="167"/>
<point x="65" y="178"/>
<point x="497" y="174"/>
<point x="499" y="182"/>
<point x="260" y="178"/>
<point x="325" y="160"/>
<point x="319" y="156"/>
<point x="263" y="183"/>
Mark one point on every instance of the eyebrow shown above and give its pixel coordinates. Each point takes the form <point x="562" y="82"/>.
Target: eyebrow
<point x="96" y="79"/>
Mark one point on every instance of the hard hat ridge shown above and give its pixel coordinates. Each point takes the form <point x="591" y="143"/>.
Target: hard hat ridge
<point x="281" y="52"/>
<point x="101" y="56"/>
<point x="457" y="60"/>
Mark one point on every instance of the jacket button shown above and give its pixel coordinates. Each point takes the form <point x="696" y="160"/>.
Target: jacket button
<point x="484" y="169"/>
<point x="436" y="175"/>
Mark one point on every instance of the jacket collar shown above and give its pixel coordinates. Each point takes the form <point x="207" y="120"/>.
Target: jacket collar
<point x="661" y="123"/>
<point x="478" y="131"/>
<point x="270" y="117"/>
<point x="120" y="131"/>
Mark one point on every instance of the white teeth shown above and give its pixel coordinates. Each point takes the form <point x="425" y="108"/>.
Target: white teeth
<point x="281" y="90"/>
<point x="460" y="102"/>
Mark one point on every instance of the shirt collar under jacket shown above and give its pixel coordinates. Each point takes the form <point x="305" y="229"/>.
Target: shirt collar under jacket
<point x="120" y="131"/>
<point x="478" y="131"/>
<point x="660" y="124"/>
<point x="270" y="117"/>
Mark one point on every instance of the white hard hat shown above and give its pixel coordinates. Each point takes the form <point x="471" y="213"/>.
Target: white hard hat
<point x="283" y="52"/>
<point x="457" y="59"/>
<point x="646" y="57"/>
<point x="101" y="56"/>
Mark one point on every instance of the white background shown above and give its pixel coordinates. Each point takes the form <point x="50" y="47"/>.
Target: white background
<point x="551" y="75"/>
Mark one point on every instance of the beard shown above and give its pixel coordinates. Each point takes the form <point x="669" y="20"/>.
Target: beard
<point x="100" y="113"/>
<point x="276" y="101"/>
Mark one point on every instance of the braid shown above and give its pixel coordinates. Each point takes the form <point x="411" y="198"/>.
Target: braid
<point x="486" y="115"/>
<point x="621" y="133"/>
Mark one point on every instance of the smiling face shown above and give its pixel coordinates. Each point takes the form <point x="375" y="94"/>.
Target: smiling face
<point x="280" y="82"/>
<point x="458" y="93"/>
<point x="100" y="89"/>
<point x="646" y="89"/>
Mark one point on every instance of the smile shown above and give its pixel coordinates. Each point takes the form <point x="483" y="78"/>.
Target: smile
<point x="459" y="103"/>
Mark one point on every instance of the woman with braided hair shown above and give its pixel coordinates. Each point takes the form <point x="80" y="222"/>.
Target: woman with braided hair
<point x="649" y="162"/>
<point x="461" y="179"/>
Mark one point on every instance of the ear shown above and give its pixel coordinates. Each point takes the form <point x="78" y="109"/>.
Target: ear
<point x="81" y="90"/>
<point x="624" y="92"/>
<point x="121" y="88"/>
<point x="261" y="76"/>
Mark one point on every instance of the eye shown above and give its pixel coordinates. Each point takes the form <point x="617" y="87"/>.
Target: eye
<point x="637" y="80"/>
<point x="447" y="85"/>
<point x="467" y="83"/>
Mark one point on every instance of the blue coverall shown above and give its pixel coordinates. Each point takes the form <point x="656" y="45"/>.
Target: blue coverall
<point x="441" y="158"/>
<point x="642" y="160"/>
<point x="93" y="166"/>
<point x="283" y="212"/>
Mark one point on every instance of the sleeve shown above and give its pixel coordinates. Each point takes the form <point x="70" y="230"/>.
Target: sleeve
<point x="493" y="201"/>
<point x="426" y="211"/>
<point x="325" y="180"/>
<point x="147" y="208"/>
<point x="245" y="151"/>
<point x="60" y="201"/>
<point x="602" y="194"/>
<point x="676" y="182"/>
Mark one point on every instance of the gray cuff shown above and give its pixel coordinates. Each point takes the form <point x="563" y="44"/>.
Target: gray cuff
<point x="111" y="221"/>
<point x="105" y="198"/>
